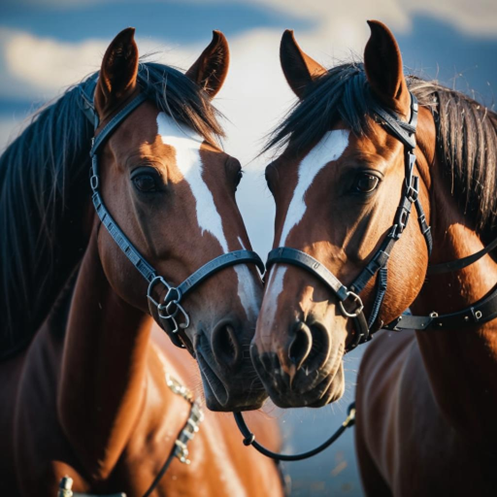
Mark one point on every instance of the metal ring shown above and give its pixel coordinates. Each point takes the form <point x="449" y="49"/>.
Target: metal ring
<point x="356" y="300"/>
<point x="176" y="300"/>
<point x="151" y="285"/>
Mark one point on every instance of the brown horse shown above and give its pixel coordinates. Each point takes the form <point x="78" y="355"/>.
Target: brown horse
<point x="426" y="400"/>
<point x="90" y="388"/>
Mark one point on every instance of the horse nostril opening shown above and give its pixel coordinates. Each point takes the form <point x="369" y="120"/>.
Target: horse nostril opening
<point x="300" y="345"/>
<point x="309" y="345"/>
<point x="320" y="346"/>
<point x="225" y="345"/>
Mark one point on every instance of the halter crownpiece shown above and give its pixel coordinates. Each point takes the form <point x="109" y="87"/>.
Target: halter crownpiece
<point x="168" y="309"/>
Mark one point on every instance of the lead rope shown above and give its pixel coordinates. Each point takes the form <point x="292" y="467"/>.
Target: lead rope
<point x="249" y="438"/>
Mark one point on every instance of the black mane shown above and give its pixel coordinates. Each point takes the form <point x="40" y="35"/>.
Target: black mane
<point x="44" y="192"/>
<point x="466" y="133"/>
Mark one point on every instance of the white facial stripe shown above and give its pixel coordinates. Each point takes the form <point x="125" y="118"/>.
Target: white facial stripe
<point x="247" y="291"/>
<point x="330" y="148"/>
<point x="187" y="146"/>
<point x="273" y="291"/>
<point x="242" y="244"/>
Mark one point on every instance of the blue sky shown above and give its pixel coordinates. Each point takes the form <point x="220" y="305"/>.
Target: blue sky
<point x="46" y="45"/>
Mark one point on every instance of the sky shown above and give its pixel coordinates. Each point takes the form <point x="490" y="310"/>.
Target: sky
<point x="47" y="45"/>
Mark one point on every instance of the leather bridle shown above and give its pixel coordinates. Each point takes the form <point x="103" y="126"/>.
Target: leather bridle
<point x="480" y="312"/>
<point x="167" y="310"/>
<point x="349" y="300"/>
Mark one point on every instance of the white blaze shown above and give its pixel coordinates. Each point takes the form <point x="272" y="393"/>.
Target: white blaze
<point x="330" y="148"/>
<point x="274" y="289"/>
<point x="187" y="144"/>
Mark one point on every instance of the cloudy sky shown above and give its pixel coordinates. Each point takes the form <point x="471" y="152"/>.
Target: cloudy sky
<point x="46" y="45"/>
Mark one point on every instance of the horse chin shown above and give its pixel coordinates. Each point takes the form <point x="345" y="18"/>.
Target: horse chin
<point x="297" y="391"/>
<point x="221" y="395"/>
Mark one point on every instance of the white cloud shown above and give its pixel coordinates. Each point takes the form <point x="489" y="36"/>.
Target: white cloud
<point x="253" y="98"/>
<point x="255" y="95"/>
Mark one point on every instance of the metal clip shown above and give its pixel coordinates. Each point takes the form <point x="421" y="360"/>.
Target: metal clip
<point x="356" y="300"/>
<point x="412" y="189"/>
<point x="171" y="306"/>
<point x="65" y="487"/>
<point x="477" y="315"/>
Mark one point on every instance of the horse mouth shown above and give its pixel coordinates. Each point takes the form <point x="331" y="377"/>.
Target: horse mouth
<point x="232" y="395"/>
<point x="325" y="387"/>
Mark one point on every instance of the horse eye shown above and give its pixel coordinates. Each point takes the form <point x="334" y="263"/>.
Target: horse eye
<point x="366" y="183"/>
<point x="145" y="180"/>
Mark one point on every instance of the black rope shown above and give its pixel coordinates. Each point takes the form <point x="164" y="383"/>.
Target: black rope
<point x="249" y="438"/>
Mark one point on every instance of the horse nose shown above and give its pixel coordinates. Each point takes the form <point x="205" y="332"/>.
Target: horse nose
<point x="308" y="347"/>
<point x="226" y="348"/>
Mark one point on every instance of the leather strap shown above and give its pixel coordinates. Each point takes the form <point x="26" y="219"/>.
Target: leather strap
<point x="403" y="131"/>
<point x="305" y="261"/>
<point x="287" y="255"/>
<point x="448" y="267"/>
<point x="122" y="241"/>
<point x="215" y="265"/>
<point x="105" y="133"/>
<point x="480" y="312"/>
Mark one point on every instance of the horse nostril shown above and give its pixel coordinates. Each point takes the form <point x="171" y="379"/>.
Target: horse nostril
<point x="309" y="345"/>
<point x="225" y="345"/>
<point x="300" y="345"/>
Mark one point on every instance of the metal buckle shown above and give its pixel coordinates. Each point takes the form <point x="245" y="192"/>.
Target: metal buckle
<point x="356" y="300"/>
<point x="412" y="189"/>
<point x="405" y="214"/>
<point x="170" y="308"/>
<point x="171" y="311"/>
<point x="94" y="182"/>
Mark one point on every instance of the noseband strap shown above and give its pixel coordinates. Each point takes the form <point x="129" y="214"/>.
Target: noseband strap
<point x="166" y="308"/>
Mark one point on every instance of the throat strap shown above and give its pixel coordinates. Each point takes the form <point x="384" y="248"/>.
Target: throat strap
<point x="479" y="313"/>
<point x="448" y="267"/>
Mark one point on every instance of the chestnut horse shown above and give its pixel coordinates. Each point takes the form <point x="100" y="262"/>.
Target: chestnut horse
<point x="344" y="188"/>
<point x="89" y="387"/>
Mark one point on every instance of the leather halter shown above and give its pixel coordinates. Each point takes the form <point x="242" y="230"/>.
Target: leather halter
<point x="169" y="312"/>
<point x="480" y="312"/>
<point x="349" y="300"/>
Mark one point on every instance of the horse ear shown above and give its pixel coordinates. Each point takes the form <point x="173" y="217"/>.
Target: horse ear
<point x="117" y="78"/>
<point x="383" y="64"/>
<point x="300" y="70"/>
<point x="210" y="69"/>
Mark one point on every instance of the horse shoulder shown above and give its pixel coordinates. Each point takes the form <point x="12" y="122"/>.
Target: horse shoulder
<point x="378" y="385"/>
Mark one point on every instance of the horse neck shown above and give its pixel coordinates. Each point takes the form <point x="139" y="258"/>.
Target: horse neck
<point x="461" y="363"/>
<point x="102" y="387"/>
